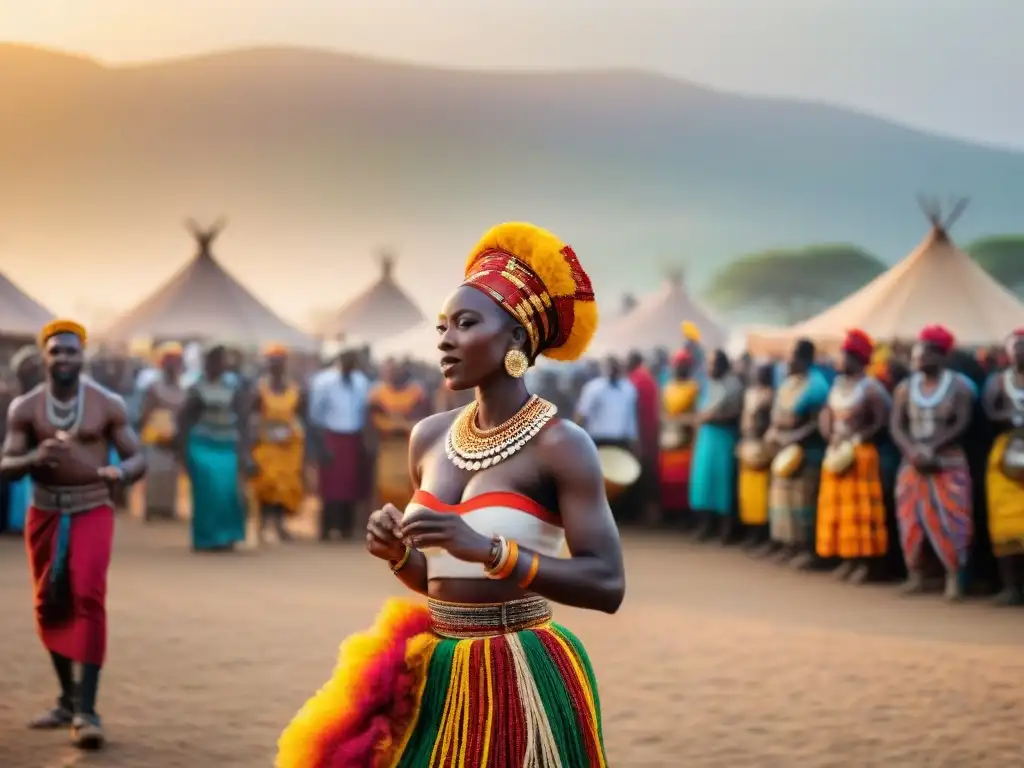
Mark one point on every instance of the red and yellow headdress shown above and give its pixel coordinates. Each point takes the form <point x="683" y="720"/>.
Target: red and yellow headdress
<point x="538" y="280"/>
<point x="59" y="326"/>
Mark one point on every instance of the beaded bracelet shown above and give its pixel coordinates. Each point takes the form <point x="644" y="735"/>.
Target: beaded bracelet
<point x="531" y="574"/>
<point x="399" y="564"/>
<point x="498" y="564"/>
<point x="510" y="564"/>
<point x="499" y="551"/>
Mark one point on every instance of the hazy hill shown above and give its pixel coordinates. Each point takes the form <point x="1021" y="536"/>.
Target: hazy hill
<point x="316" y="157"/>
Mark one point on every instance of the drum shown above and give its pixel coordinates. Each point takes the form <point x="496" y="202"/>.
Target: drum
<point x="788" y="461"/>
<point x="674" y="436"/>
<point x="620" y="469"/>
<point x="754" y="454"/>
<point x="838" y="458"/>
<point x="1012" y="464"/>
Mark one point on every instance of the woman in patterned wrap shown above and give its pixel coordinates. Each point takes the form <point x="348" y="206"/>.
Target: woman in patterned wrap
<point x="793" y="498"/>
<point x="481" y="675"/>
<point x="931" y="412"/>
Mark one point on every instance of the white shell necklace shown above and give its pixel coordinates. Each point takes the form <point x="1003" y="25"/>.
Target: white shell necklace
<point x="66" y="416"/>
<point x="842" y="397"/>
<point x="929" y="402"/>
<point x="1013" y="392"/>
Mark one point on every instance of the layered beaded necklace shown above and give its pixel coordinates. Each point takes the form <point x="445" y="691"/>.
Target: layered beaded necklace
<point x="66" y="416"/>
<point x="472" y="448"/>
<point x="928" y="402"/>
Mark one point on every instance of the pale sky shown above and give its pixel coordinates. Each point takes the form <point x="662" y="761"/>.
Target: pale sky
<point x="953" y="66"/>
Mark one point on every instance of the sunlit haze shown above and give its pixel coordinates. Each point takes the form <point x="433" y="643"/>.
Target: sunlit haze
<point x="948" y="66"/>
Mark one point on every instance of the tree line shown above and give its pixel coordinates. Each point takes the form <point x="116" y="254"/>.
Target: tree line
<point x="792" y="284"/>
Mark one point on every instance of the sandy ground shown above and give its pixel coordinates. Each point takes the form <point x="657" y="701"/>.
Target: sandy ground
<point x="714" y="660"/>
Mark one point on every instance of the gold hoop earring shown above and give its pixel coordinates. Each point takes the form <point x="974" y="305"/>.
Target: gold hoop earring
<point x="516" y="363"/>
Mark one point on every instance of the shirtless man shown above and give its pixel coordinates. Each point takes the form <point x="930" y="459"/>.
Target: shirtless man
<point x="931" y="412"/>
<point x="60" y="434"/>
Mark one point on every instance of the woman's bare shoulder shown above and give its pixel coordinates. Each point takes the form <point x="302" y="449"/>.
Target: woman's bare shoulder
<point x="427" y="432"/>
<point x="564" y="443"/>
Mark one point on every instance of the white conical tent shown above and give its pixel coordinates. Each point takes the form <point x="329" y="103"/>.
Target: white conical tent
<point x="936" y="283"/>
<point x="202" y="300"/>
<point x="21" y="316"/>
<point x="656" y="321"/>
<point x="417" y="343"/>
<point x="380" y="312"/>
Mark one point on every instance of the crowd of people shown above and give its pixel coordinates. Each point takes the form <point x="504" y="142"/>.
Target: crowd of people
<point x="819" y="463"/>
<point x="881" y="463"/>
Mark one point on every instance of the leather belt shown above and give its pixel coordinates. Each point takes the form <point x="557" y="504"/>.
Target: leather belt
<point x="70" y="499"/>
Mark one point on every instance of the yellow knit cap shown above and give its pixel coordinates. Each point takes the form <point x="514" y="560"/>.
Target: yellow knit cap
<point x="537" y="279"/>
<point x="59" y="326"/>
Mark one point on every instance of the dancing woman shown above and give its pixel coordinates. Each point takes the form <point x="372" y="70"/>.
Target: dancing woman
<point x="481" y="675"/>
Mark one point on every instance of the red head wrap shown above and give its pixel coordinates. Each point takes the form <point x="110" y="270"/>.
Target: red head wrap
<point x="938" y="336"/>
<point x="859" y="345"/>
<point x="538" y="280"/>
<point x="682" y="356"/>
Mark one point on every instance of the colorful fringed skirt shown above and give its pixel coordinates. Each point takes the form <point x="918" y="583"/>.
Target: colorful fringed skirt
<point x="851" y="509"/>
<point x="446" y="684"/>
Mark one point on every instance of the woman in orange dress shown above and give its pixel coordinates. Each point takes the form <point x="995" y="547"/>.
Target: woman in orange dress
<point x="396" y="404"/>
<point x="279" y="448"/>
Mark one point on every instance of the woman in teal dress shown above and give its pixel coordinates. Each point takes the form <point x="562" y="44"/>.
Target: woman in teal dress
<point x="212" y="434"/>
<point x="713" y="470"/>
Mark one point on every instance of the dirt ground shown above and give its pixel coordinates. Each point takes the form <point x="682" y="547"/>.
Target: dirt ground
<point x="714" y="660"/>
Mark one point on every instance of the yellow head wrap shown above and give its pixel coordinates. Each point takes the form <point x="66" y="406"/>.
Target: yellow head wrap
<point x="59" y="326"/>
<point x="275" y="350"/>
<point x="690" y="331"/>
<point x="167" y="350"/>
<point x="538" y="280"/>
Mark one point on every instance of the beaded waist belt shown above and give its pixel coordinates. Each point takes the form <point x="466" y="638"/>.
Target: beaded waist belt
<point x="467" y="620"/>
<point x="70" y="499"/>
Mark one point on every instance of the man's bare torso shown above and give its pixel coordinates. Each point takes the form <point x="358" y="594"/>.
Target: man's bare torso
<point x="89" y="442"/>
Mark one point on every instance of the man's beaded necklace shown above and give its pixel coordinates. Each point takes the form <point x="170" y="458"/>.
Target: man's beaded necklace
<point x="66" y="416"/>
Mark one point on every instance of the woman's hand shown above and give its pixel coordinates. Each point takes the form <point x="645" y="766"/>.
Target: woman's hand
<point x="384" y="534"/>
<point x="424" y="528"/>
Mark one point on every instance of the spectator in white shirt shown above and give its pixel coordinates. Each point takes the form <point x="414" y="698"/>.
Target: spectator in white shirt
<point x="607" y="408"/>
<point x="338" y="407"/>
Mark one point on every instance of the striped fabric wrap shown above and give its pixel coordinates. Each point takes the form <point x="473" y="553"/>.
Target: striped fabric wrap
<point x="502" y="687"/>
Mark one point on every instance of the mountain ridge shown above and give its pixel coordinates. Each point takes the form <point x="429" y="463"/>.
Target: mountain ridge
<point x="323" y="155"/>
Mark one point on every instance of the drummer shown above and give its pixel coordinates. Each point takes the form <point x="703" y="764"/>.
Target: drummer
<point x="793" y="491"/>
<point x="1004" y="404"/>
<point x="607" y="410"/>
<point x="851" y="521"/>
<point x="679" y="401"/>
<point x="754" y="457"/>
<point x="396" y="402"/>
